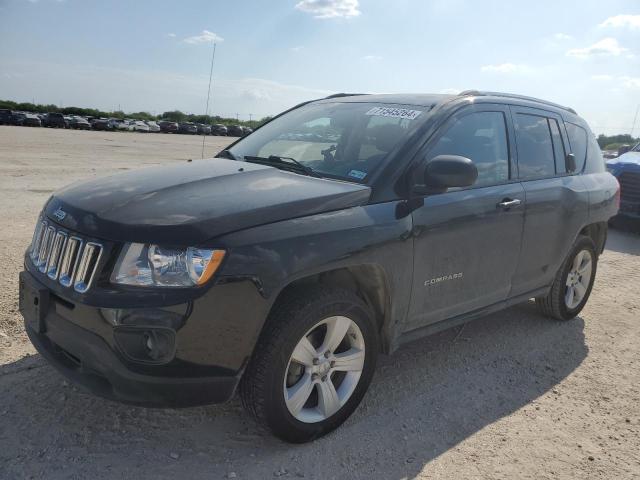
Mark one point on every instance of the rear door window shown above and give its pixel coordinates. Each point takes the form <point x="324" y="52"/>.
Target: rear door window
<point x="578" y="141"/>
<point x="535" y="147"/>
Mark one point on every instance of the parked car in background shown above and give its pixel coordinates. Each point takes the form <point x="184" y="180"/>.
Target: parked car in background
<point x="153" y="126"/>
<point x="54" y="120"/>
<point x="5" y="117"/>
<point x="188" y="128"/>
<point x="626" y="168"/>
<point x="79" y="123"/>
<point x="168" y="127"/>
<point x="235" y="131"/>
<point x="101" y="124"/>
<point x="246" y="131"/>
<point x="139" y="126"/>
<point x="31" y="120"/>
<point x="218" y="129"/>
<point x="123" y="125"/>
<point x="17" y="118"/>
<point x="203" y="129"/>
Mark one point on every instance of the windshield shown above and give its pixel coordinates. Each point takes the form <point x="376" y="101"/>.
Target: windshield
<point x="341" y="140"/>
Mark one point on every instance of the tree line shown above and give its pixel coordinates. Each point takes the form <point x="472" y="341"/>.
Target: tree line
<point x="173" y="116"/>
<point x="613" y="142"/>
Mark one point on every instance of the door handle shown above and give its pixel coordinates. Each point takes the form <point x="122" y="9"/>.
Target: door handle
<point x="508" y="203"/>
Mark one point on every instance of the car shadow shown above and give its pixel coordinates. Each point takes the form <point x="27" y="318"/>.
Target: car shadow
<point x="425" y="399"/>
<point x="625" y="240"/>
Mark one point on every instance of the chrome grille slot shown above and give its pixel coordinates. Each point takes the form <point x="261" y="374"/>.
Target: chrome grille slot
<point x="69" y="261"/>
<point x="35" y="242"/>
<point x="65" y="257"/>
<point x="87" y="266"/>
<point x="53" y="263"/>
<point x="45" y="248"/>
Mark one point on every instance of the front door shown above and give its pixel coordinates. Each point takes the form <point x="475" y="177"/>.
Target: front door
<point x="467" y="241"/>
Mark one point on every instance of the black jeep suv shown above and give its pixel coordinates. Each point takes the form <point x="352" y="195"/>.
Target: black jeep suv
<point x="342" y="228"/>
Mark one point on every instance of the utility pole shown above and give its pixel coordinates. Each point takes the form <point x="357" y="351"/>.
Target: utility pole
<point x="213" y="56"/>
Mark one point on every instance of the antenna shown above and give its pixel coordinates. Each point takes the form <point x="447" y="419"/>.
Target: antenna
<point x="206" y="112"/>
<point x="633" y="127"/>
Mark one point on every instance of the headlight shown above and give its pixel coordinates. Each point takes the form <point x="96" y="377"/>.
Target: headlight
<point x="152" y="265"/>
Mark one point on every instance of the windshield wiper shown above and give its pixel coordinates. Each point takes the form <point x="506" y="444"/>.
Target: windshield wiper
<point x="284" y="163"/>
<point x="226" y="154"/>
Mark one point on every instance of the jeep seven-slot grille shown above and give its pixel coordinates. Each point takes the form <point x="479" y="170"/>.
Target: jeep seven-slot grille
<point x="629" y="186"/>
<point x="65" y="257"/>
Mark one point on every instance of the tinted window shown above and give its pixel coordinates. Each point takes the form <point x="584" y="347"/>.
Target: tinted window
<point x="578" y="141"/>
<point x="535" y="148"/>
<point x="481" y="137"/>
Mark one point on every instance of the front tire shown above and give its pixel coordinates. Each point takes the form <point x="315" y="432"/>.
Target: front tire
<point x="313" y="363"/>
<point x="573" y="283"/>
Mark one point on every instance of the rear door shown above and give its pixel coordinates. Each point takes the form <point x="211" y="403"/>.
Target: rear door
<point x="557" y="200"/>
<point x="467" y="241"/>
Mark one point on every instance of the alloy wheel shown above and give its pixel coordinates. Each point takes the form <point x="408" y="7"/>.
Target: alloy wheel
<point x="578" y="279"/>
<point x="324" y="369"/>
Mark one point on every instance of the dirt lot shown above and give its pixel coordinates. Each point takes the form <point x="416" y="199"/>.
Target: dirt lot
<point x="513" y="395"/>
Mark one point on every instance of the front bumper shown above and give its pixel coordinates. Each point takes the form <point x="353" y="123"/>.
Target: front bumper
<point x="81" y="343"/>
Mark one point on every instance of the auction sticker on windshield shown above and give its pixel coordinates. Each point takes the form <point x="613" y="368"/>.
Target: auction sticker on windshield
<point x="394" y="112"/>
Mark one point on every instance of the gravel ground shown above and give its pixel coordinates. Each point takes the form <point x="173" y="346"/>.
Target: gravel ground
<point x="513" y="395"/>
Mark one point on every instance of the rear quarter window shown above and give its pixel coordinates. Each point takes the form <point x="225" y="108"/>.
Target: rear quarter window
<point x="578" y="143"/>
<point x="595" y="160"/>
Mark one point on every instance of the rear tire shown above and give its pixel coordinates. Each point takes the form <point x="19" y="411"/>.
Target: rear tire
<point x="320" y="343"/>
<point x="572" y="285"/>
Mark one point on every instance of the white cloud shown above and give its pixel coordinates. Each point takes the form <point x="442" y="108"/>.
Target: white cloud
<point x="630" y="82"/>
<point x="562" y="36"/>
<point x="507" y="68"/>
<point x="205" y="37"/>
<point x="297" y="48"/>
<point x="602" y="78"/>
<point x="171" y="35"/>
<point x="329" y="8"/>
<point x="450" y="91"/>
<point x="619" y="21"/>
<point x="371" y="58"/>
<point x="624" y="80"/>
<point x="604" y="48"/>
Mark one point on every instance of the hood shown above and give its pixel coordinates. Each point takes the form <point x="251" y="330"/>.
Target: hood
<point x="193" y="202"/>
<point x="629" y="157"/>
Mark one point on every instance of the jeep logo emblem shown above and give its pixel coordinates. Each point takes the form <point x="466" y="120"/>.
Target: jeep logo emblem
<point x="60" y="214"/>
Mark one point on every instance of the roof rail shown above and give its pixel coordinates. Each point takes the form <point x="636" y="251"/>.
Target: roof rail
<point x="478" y="93"/>
<point x="338" y="95"/>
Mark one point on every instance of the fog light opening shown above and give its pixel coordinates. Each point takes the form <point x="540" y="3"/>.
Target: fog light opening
<point x="156" y="344"/>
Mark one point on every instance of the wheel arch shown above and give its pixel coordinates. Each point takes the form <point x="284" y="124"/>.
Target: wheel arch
<point x="368" y="281"/>
<point x="598" y="233"/>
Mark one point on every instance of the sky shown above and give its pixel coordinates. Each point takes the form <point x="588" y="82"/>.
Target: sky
<point x="270" y="55"/>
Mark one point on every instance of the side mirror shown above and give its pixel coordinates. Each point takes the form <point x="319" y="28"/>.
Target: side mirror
<point x="570" y="162"/>
<point x="448" y="171"/>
